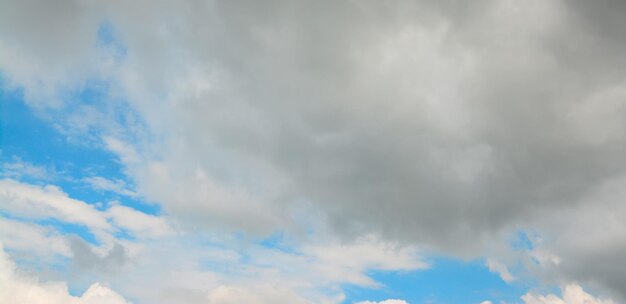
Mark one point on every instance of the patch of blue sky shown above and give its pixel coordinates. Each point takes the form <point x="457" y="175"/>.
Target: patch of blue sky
<point x="447" y="281"/>
<point x="109" y="39"/>
<point x="524" y="240"/>
<point x="279" y="240"/>
<point x="93" y="108"/>
<point x="124" y="234"/>
<point x="63" y="228"/>
<point x="29" y="137"/>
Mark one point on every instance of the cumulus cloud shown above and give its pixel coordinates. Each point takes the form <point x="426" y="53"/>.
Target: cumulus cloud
<point x="447" y="125"/>
<point x="572" y="294"/>
<point x="19" y="288"/>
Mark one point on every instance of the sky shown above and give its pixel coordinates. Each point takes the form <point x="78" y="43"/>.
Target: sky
<point x="346" y="152"/>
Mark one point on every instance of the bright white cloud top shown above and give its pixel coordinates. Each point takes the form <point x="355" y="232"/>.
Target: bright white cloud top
<point x="306" y="151"/>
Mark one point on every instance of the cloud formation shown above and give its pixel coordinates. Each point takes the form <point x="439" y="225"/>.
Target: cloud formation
<point x="30" y="201"/>
<point x="186" y="267"/>
<point x="19" y="288"/>
<point x="390" y="301"/>
<point x="234" y="295"/>
<point x="572" y="294"/>
<point x="444" y="125"/>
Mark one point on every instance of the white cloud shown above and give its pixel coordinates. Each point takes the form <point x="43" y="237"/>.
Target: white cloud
<point x="571" y="294"/>
<point x="193" y="268"/>
<point x="18" y="288"/>
<point x="500" y="269"/>
<point x="390" y="301"/>
<point x="38" y="242"/>
<point x="125" y="151"/>
<point x="19" y="168"/>
<point x="113" y="185"/>
<point x="367" y="251"/>
<point x="267" y="294"/>
<point x="346" y="261"/>
<point x="138" y="223"/>
<point x="50" y="202"/>
<point x="37" y="202"/>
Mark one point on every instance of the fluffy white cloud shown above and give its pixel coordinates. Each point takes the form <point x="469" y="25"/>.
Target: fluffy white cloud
<point x="572" y="294"/>
<point x="19" y="288"/>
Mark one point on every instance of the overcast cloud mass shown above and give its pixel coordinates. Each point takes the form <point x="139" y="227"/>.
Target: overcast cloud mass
<point x="360" y="136"/>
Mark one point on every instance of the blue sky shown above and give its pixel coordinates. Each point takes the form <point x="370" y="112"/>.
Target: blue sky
<point x="300" y="153"/>
<point x="448" y="281"/>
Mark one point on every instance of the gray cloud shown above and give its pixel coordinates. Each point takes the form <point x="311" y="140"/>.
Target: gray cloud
<point x="443" y="124"/>
<point x="86" y="259"/>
